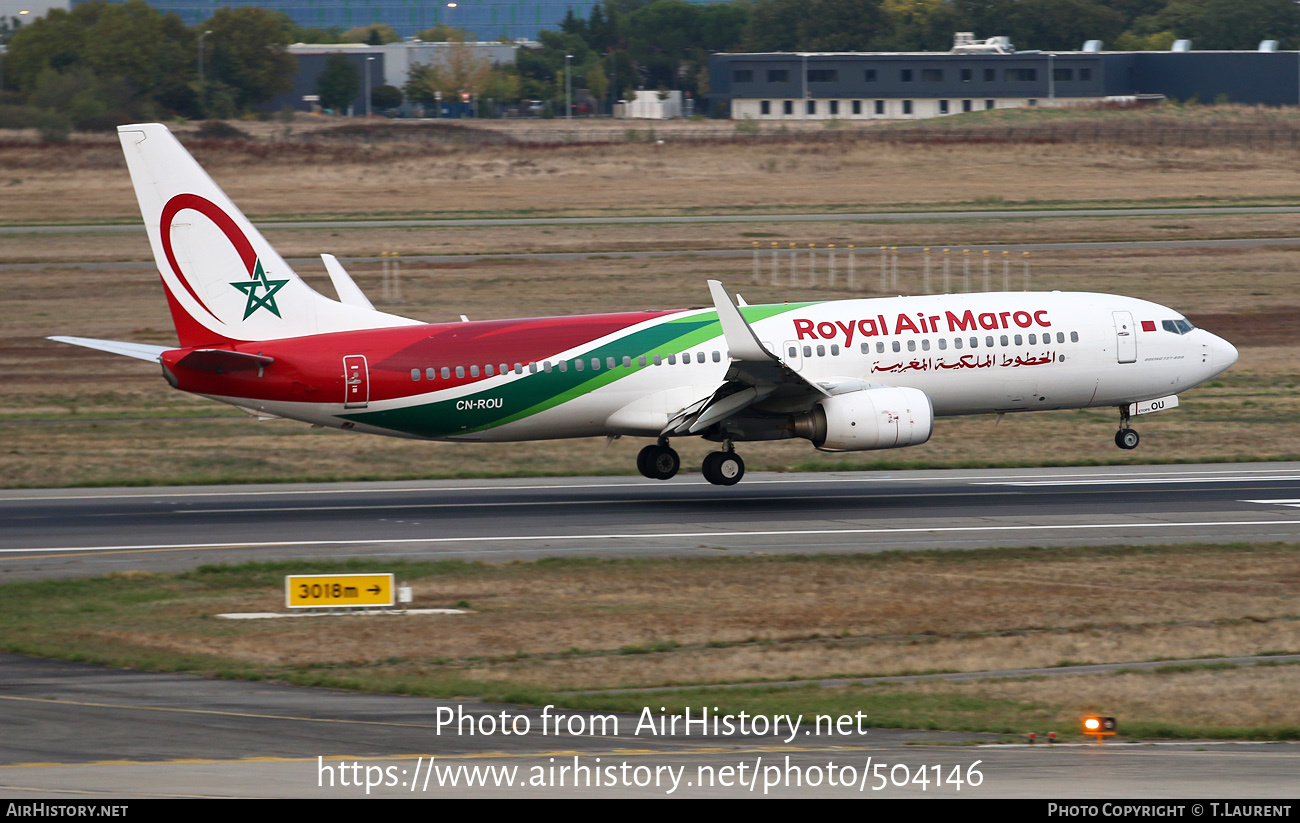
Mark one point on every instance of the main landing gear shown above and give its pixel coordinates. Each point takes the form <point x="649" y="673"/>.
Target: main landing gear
<point x="1125" y="438"/>
<point x="660" y="462"/>
<point x="724" y="468"/>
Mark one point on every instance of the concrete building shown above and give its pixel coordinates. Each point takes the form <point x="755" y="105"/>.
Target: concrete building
<point x="894" y="86"/>
<point x="390" y="65"/>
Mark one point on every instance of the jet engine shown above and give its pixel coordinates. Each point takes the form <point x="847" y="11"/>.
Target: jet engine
<point x="886" y="417"/>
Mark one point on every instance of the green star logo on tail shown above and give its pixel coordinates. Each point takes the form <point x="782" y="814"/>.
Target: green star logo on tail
<point x="259" y="281"/>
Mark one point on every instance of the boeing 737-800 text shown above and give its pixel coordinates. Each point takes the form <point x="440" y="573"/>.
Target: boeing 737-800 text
<point x="847" y="375"/>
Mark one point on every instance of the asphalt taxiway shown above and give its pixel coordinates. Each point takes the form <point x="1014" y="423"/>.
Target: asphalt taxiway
<point x="77" y="732"/>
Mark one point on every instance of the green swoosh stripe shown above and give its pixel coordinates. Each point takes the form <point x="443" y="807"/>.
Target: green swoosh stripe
<point x="535" y="393"/>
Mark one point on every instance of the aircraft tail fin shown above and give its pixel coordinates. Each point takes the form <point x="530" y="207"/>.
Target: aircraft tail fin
<point x="224" y="281"/>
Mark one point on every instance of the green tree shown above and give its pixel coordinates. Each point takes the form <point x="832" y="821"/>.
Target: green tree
<point x="131" y="40"/>
<point x="816" y="25"/>
<point x="375" y="34"/>
<point x="339" y="83"/>
<point x="1157" y="41"/>
<point x="920" y="25"/>
<point x="1230" y="24"/>
<point x="248" y="54"/>
<point x="443" y="33"/>
<point x="385" y="97"/>
<point x="8" y="26"/>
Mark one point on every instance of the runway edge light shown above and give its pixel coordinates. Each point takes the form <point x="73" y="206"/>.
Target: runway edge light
<point x="1099" y="727"/>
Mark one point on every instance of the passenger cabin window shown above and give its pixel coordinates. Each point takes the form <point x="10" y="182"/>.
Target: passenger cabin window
<point x="896" y="346"/>
<point x="431" y="373"/>
<point x="446" y="373"/>
<point x="1074" y="337"/>
<point x="415" y="373"/>
<point x="460" y="371"/>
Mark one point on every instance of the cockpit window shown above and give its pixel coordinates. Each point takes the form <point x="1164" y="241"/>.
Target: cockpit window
<point x="1179" y="326"/>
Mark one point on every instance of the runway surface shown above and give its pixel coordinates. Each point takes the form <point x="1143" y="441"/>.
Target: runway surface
<point x="86" y="532"/>
<point x="78" y="732"/>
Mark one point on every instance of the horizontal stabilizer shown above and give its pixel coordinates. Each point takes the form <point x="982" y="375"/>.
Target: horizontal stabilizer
<point x="222" y="360"/>
<point x="140" y="351"/>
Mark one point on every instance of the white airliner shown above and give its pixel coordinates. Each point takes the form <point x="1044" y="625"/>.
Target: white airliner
<point x="847" y="375"/>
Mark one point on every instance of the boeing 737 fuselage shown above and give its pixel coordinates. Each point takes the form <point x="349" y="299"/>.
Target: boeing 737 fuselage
<point x="847" y="375"/>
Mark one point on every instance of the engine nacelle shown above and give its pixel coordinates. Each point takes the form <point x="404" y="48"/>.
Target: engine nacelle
<point x="887" y="417"/>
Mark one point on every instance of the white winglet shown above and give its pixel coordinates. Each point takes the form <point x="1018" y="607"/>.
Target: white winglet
<point x="346" y="288"/>
<point x="740" y="337"/>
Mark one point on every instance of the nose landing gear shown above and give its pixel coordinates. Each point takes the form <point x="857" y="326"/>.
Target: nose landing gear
<point x="1125" y="438"/>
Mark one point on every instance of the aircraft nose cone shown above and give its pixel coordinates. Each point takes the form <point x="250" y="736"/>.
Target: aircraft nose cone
<point x="1225" y="354"/>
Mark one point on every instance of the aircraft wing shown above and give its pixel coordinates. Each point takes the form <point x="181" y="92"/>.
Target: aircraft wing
<point x="755" y="376"/>
<point x="140" y="351"/>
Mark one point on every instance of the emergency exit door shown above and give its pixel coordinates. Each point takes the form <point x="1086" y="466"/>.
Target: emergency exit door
<point x="356" y="382"/>
<point x="1126" y="345"/>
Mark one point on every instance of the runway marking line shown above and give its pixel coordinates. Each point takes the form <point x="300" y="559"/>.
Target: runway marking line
<point x="830" y="477"/>
<point x="646" y="536"/>
<point x="185" y="761"/>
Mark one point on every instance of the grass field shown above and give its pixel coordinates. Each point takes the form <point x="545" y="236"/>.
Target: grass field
<point x="75" y="417"/>
<point x="556" y="625"/>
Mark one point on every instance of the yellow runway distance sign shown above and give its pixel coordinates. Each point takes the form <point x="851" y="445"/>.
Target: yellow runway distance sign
<point x="331" y="591"/>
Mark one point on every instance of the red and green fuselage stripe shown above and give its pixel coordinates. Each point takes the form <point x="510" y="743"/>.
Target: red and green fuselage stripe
<point x="529" y="394"/>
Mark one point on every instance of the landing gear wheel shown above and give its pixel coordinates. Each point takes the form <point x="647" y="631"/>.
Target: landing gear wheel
<point x="645" y="461"/>
<point x="723" y="468"/>
<point x="658" y="462"/>
<point x="1126" y="439"/>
